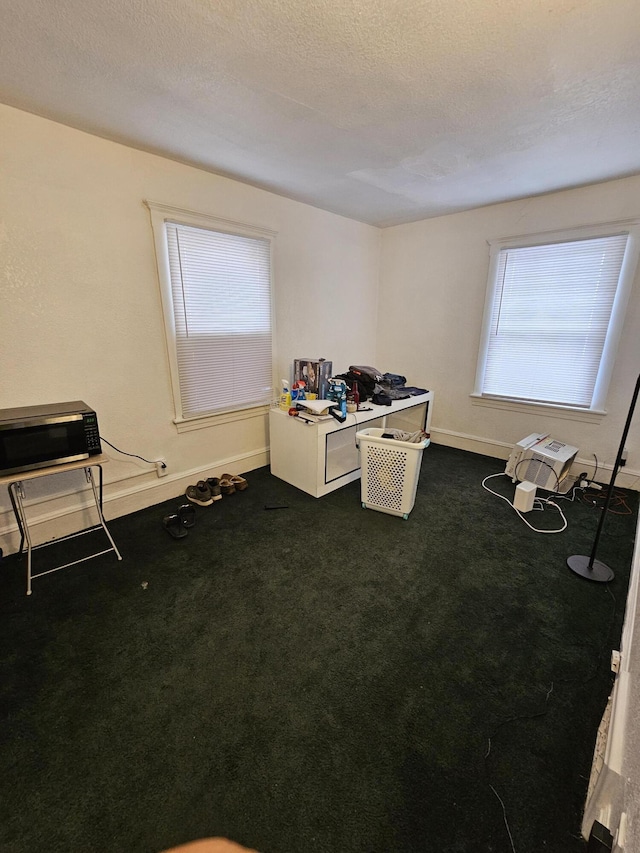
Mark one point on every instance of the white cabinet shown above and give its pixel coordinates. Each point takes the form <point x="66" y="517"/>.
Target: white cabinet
<point x="321" y="457"/>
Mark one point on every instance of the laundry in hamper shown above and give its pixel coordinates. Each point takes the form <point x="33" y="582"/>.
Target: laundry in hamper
<point x="390" y="468"/>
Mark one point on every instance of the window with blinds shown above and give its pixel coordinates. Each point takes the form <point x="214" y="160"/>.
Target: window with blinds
<point x="552" y="319"/>
<point x="217" y="293"/>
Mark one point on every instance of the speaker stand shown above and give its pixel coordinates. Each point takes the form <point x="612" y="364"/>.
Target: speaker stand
<point x="589" y="567"/>
<point x="593" y="571"/>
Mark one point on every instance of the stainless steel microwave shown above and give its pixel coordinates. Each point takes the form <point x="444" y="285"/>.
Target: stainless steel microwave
<point x="34" y="437"/>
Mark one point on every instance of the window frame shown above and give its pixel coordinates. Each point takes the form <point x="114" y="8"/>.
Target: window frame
<point x="616" y="321"/>
<point x="161" y="214"/>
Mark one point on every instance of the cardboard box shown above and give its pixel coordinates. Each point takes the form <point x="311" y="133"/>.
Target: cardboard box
<point x="315" y="372"/>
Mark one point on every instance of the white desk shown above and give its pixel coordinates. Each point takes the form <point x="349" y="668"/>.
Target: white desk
<point x="318" y="458"/>
<point x="14" y="483"/>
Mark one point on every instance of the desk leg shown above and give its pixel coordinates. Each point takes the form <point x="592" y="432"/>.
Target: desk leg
<point x="16" y="493"/>
<point x="98" y="501"/>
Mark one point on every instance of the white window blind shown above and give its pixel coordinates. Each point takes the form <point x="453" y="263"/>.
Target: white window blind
<point x="221" y="291"/>
<point x="551" y="312"/>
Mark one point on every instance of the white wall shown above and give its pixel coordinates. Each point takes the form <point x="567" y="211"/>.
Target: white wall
<point x="81" y="309"/>
<point x="81" y="312"/>
<point x="433" y="284"/>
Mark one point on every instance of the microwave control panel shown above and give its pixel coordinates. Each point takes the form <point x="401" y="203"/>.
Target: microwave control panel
<point x="92" y="433"/>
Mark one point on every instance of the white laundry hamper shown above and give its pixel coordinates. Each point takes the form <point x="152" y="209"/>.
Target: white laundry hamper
<point x="389" y="471"/>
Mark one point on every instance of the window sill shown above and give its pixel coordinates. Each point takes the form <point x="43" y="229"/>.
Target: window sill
<point x="207" y="421"/>
<point x="591" y="416"/>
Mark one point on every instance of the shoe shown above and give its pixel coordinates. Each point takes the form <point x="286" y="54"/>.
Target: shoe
<point x="235" y="481"/>
<point x="174" y="526"/>
<point x="239" y="482"/>
<point x="226" y="486"/>
<point x="214" y="488"/>
<point x="187" y="515"/>
<point x="199" y="494"/>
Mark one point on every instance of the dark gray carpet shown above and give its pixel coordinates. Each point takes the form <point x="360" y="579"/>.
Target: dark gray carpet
<point x="318" y="678"/>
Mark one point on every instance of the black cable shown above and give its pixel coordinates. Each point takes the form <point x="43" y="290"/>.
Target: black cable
<point x="569" y="496"/>
<point x="541" y="462"/>
<point x="568" y="682"/>
<point x="124" y="452"/>
<point x="486" y="756"/>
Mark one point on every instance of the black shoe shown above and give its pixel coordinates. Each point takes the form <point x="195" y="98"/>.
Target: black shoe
<point x="174" y="526"/>
<point x="187" y="515"/>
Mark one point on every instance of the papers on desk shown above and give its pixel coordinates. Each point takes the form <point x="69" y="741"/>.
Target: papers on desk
<point x="308" y="418"/>
<point x="314" y="410"/>
<point x="317" y="407"/>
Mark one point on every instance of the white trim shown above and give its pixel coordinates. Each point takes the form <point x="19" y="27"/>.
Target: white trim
<point x="623" y="292"/>
<point x="121" y="497"/>
<point x="485" y="329"/>
<point x="160" y="214"/>
<point x="190" y="424"/>
<point x="589" y="416"/>
<point x="471" y="443"/>
<point x="562" y="235"/>
<point x="625" y="286"/>
<point x="168" y="213"/>
<point x="611" y="788"/>
<point x="627" y="478"/>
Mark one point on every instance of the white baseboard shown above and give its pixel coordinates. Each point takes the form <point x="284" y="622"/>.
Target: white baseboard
<point x="119" y="498"/>
<point x="614" y="771"/>
<point x="627" y="478"/>
<point x="124" y="496"/>
<point x="472" y="443"/>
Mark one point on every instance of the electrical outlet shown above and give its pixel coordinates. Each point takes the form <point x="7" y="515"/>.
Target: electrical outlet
<point x="623" y="457"/>
<point x="161" y="467"/>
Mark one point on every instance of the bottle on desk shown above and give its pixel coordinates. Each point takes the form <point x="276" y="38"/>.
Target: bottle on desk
<point x="355" y="394"/>
<point x="285" y="396"/>
<point x="343" y="400"/>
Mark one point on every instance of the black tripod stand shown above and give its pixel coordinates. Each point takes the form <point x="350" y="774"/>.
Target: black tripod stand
<point x="589" y="567"/>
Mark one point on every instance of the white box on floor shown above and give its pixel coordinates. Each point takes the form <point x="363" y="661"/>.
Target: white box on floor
<point x="525" y="496"/>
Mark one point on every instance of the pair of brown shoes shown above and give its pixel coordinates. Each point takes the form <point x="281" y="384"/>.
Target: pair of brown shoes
<point x="230" y="483"/>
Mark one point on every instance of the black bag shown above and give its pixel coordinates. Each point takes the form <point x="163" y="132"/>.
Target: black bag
<point x="381" y="398"/>
<point x="365" y="387"/>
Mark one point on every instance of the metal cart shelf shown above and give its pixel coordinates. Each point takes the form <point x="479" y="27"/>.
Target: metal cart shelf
<point x="15" y="485"/>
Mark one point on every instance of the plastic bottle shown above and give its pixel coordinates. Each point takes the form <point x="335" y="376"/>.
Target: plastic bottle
<point x="285" y="396"/>
<point x="355" y="394"/>
<point x="343" y="399"/>
<point x="297" y="391"/>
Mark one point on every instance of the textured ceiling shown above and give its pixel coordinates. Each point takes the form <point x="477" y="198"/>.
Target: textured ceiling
<point x="385" y="111"/>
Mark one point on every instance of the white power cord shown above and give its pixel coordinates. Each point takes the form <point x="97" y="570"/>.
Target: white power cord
<point x="539" y="501"/>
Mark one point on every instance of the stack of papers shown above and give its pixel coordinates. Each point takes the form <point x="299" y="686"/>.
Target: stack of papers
<point x="317" y="407"/>
<point x="315" y="410"/>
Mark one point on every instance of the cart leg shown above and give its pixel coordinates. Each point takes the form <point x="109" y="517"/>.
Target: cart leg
<point x="17" y="495"/>
<point x="96" y="497"/>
